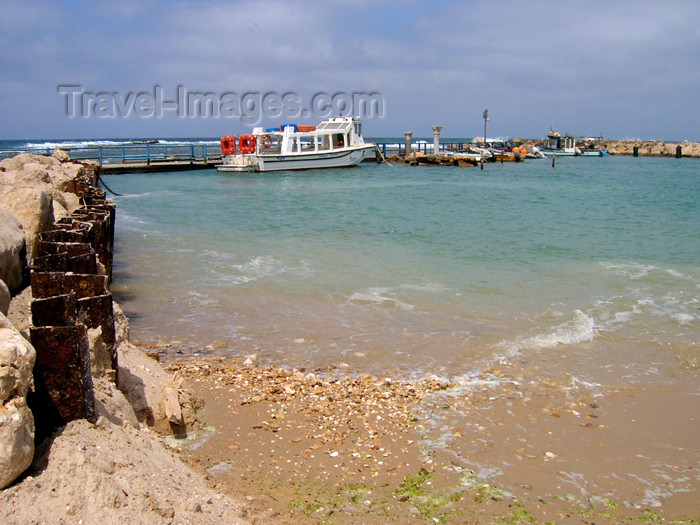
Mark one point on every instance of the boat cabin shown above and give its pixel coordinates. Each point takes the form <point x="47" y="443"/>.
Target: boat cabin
<point x="556" y="141"/>
<point x="329" y="135"/>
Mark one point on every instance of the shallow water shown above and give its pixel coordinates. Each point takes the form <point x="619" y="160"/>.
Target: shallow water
<point x="428" y="270"/>
<point x="535" y="289"/>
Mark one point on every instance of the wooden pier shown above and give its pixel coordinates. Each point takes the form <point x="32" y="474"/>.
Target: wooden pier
<point x="160" y="166"/>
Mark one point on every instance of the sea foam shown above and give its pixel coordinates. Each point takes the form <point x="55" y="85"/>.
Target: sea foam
<point x="579" y="329"/>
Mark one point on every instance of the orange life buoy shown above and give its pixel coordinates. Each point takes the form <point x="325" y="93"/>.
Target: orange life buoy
<point x="228" y="145"/>
<point x="267" y="141"/>
<point x="246" y="144"/>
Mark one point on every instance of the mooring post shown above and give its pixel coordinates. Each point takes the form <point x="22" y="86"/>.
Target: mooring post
<point x="436" y="139"/>
<point x="554" y="160"/>
<point x="679" y="151"/>
<point x="409" y="136"/>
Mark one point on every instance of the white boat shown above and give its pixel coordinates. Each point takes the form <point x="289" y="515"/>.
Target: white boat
<point x="533" y="152"/>
<point x="594" y="152"/>
<point x="334" y="143"/>
<point x="561" y="146"/>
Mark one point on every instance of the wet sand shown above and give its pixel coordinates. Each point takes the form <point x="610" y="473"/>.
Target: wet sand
<point x="322" y="447"/>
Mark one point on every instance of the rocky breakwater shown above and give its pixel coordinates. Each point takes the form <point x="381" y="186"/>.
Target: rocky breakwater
<point x="72" y="386"/>
<point x="646" y="148"/>
<point x="428" y="159"/>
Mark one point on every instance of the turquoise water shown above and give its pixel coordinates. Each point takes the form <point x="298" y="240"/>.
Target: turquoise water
<point x="571" y="291"/>
<point x="415" y="270"/>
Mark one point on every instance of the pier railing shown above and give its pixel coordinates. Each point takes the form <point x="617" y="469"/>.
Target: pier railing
<point x="390" y="148"/>
<point x="141" y="153"/>
<point x="158" y="153"/>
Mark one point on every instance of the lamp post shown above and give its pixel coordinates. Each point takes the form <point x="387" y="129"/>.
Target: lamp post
<point x="486" y="119"/>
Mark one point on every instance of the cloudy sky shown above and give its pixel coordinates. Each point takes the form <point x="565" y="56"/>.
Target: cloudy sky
<point x="620" y="68"/>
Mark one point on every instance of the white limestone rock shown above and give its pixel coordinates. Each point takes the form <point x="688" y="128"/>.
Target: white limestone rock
<point x="12" y="250"/>
<point x="17" y="358"/>
<point x="4" y="298"/>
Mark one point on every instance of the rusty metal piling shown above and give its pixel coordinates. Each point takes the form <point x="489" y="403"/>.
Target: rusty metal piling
<point x="70" y="277"/>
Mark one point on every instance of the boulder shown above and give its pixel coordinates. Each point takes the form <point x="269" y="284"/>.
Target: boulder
<point x="111" y="404"/>
<point x="64" y="204"/>
<point x="12" y="250"/>
<point x="17" y="358"/>
<point x="20" y="312"/>
<point x="16" y="440"/>
<point x="157" y="397"/>
<point x="33" y="207"/>
<point x="4" y="298"/>
<point x="62" y="175"/>
<point x="36" y="189"/>
<point x="60" y="155"/>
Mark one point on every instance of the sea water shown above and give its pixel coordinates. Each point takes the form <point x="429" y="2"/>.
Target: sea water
<point x="419" y="270"/>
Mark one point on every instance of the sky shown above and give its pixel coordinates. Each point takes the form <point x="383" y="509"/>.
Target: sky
<point x="623" y="69"/>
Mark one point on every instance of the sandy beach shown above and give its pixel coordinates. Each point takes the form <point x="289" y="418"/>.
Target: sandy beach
<point x="317" y="447"/>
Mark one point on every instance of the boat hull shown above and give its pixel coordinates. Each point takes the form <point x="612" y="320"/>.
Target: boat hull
<point x="340" y="158"/>
<point x="568" y="152"/>
<point x="592" y="153"/>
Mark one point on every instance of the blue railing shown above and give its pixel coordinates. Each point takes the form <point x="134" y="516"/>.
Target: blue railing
<point x="157" y="153"/>
<point x="145" y="153"/>
<point x="391" y="148"/>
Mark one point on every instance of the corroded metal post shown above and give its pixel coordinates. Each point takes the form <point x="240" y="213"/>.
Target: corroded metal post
<point x="70" y="277"/>
<point x="62" y="379"/>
